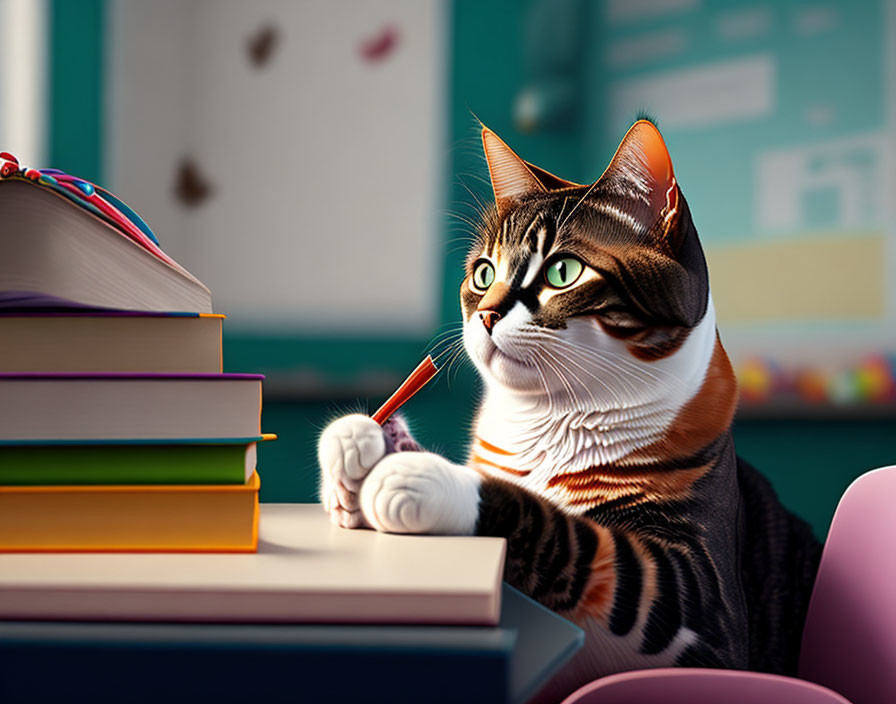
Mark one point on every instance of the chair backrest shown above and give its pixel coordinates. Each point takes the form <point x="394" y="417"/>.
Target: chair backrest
<point x="700" y="686"/>
<point x="849" y="642"/>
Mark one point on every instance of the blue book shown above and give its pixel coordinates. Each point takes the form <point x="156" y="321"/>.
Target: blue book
<point x="166" y="662"/>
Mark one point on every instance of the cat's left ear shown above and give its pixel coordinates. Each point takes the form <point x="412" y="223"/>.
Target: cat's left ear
<point x="642" y="171"/>
<point x="512" y="179"/>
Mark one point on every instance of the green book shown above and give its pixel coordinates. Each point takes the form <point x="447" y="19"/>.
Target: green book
<point x="117" y="462"/>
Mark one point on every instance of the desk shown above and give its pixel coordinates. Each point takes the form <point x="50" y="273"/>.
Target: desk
<point x="148" y="662"/>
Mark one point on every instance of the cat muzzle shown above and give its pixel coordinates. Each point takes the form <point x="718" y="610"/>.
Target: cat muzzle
<point x="489" y="318"/>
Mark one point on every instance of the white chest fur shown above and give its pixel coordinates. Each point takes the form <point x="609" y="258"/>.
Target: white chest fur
<point x="613" y="405"/>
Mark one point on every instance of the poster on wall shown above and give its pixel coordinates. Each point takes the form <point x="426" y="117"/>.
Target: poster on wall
<point x="780" y="121"/>
<point x="289" y="154"/>
<point x="23" y="61"/>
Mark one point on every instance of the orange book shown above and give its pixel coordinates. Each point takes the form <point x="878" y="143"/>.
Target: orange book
<point x="134" y="518"/>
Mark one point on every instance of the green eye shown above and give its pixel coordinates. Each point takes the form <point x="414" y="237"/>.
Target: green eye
<point x="564" y="272"/>
<point x="483" y="276"/>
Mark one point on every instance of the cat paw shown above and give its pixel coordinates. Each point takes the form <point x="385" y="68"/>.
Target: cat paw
<point x="348" y="449"/>
<point x="419" y="492"/>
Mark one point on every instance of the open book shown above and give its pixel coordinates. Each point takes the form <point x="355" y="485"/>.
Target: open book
<point x="58" y="253"/>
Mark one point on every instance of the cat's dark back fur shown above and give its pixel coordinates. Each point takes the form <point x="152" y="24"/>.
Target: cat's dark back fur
<point x="780" y="558"/>
<point x="602" y="448"/>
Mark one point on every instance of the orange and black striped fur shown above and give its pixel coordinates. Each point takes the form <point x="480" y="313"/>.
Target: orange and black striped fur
<point x="602" y="448"/>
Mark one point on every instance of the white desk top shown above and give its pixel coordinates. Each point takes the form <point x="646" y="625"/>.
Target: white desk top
<point x="305" y="570"/>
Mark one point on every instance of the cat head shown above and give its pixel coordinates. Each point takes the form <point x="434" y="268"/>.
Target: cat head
<point x="569" y="280"/>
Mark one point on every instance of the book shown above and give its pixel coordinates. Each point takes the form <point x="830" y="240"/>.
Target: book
<point x="110" y="342"/>
<point x="113" y="406"/>
<point x="503" y="664"/>
<point x="56" y="251"/>
<point x="200" y="517"/>
<point x="230" y="461"/>
<point x="306" y="570"/>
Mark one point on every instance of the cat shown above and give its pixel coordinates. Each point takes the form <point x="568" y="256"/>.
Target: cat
<point x="602" y="449"/>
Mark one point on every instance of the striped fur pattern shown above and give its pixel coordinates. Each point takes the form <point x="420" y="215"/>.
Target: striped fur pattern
<point x="602" y="449"/>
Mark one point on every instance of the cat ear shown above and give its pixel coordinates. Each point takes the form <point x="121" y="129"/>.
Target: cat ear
<point x="549" y="181"/>
<point x="512" y="178"/>
<point x="642" y="170"/>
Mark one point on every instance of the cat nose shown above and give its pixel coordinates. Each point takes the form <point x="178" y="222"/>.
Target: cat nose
<point x="489" y="318"/>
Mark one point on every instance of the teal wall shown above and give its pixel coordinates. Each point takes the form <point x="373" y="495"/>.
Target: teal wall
<point x="76" y="31"/>
<point x="810" y="462"/>
<point x="842" y="69"/>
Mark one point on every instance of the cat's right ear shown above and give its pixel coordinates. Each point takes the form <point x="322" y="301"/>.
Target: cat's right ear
<point x="512" y="179"/>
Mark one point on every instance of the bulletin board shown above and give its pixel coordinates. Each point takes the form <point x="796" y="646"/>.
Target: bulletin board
<point x="23" y="95"/>
<point x="780" y="121"/>
<point x="291" y="156"/>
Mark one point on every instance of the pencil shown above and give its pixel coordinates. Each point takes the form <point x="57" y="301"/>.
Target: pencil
<point x="418" y="378"/>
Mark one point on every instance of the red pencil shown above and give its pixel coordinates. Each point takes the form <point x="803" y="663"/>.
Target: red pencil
<point x="425" y="371"/>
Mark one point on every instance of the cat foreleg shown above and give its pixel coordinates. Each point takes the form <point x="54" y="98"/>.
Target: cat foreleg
<point x="347" y="451"/>
<point x="568" y="563"/>
<point x="421" y="492"/>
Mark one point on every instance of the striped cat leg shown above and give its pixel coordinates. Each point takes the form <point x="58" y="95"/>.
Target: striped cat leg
<point x="347" y="450"/>
<point x="565" y="562"/>
<point x="629" y="591"/>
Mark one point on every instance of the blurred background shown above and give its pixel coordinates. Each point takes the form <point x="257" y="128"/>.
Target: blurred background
<point x="316" y="164"/>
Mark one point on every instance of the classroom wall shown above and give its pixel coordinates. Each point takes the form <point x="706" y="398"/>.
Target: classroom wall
<point x="810" y="461"/>
<point x="310" y="168"/>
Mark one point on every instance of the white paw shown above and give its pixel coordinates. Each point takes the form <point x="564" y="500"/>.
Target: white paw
<point x="348" y="449"/>
<point x="419" y="492"/>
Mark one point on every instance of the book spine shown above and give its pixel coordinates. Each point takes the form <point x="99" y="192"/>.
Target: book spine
<point x="122" y="464"/>
<point x="130" y="519"/>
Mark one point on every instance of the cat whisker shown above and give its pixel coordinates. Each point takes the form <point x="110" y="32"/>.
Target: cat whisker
<point x="441" y="341"/>
<point x="574" y="399"/>
<point x="628" y="374"/>
<point x="576" y="206"/>
<point x="622" y="377"/>
<point x="459" y="356"/>
<point x="627" y="362"/>
<point x="544" y="383"/>
<point x="562" y="210"/>
<point x="548" y="339"/>
<point x="615" y="361"/>
<point x="575" y="378"/>
<point x="572" y="356"/>
<point x="475" y="196"/>
<point x="444" y="350"/>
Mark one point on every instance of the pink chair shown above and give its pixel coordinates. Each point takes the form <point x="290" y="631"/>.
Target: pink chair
<point x="676" y="685"/>
<point x="849" y="642"/>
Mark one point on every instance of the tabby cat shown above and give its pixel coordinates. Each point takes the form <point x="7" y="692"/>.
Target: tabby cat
<point x="602" y="449"/>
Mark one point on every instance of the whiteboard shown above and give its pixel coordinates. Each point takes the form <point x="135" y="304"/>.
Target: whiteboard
<point x="23" y="97"/>
<point x="325" y="164"/>
<point x="781" y="123"/>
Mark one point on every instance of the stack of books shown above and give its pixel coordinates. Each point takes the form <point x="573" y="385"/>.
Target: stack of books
<point x="118" y="429"/>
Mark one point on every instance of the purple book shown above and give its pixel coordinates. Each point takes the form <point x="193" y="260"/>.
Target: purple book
<point x="91" y="406"/>
<point x="126" y="376"/>
<point x="33" y="301"/>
